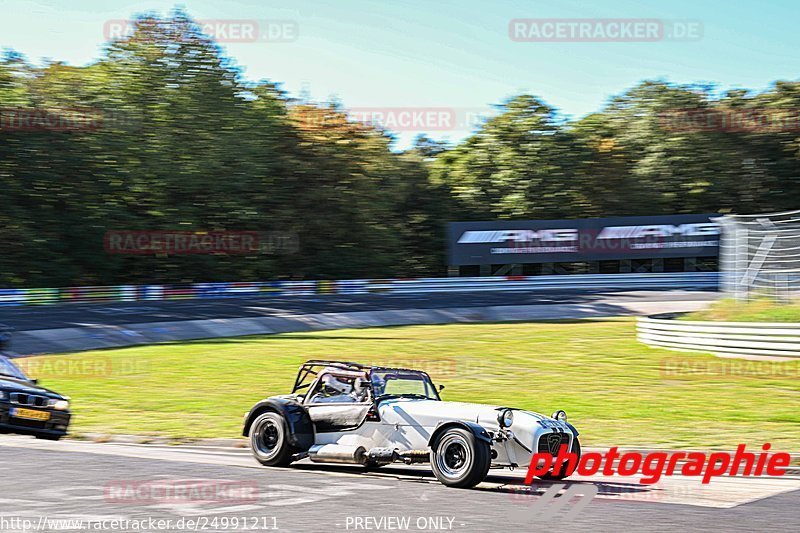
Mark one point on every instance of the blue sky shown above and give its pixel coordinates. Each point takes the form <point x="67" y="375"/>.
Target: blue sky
<point x="448" y="53"/>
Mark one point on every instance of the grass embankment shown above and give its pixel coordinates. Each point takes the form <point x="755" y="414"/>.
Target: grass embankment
<point x="616" y="390"/>
<point x="762" y="310"/>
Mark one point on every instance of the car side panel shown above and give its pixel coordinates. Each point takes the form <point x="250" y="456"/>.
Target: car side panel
<point x="369" y="435"/>
<point x="394" y="430"/>
<point x="409" y="432"/>
<point x="332" y="417"/>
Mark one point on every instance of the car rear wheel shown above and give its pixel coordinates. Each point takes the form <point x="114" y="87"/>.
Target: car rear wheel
<point x="268" y="440"/>
<point x="569" y="468"/>
<point x="459" y="459"/>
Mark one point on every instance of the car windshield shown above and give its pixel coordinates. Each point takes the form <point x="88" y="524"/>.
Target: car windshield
<point x="9" y="369"/>
<point x="403" y="383"/>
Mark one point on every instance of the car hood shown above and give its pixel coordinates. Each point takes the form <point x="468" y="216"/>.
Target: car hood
<point x="432" y="412"/>
<point x="26" y="387"/>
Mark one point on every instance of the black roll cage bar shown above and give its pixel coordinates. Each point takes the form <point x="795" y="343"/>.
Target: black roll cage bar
<point x="310" y="368"/>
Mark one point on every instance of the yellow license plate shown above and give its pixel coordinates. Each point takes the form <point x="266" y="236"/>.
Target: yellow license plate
<point x="30" y="414"/>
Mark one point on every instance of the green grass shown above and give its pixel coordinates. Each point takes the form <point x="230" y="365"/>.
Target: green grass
<point x="761" y="310"/>
<point x="614" y="389"/>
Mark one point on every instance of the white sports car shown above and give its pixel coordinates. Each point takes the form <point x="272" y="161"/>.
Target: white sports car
<point x="348" y="413"/>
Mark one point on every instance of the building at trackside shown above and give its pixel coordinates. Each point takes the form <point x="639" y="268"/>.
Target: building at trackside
<point x="670" y="243"/>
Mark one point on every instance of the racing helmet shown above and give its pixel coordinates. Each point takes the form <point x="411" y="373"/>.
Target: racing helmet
<point x="331" y="383"/>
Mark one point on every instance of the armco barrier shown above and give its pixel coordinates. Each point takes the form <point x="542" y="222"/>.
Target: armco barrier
<point x="723" y="338"/>
<point x="135" y="293"/>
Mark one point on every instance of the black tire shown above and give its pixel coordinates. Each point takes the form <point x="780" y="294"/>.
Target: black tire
<point x="460" y="460"/>
<point x="49" y="437"/>
<point x="570" y="467"/>
<point x="268" y="440"/>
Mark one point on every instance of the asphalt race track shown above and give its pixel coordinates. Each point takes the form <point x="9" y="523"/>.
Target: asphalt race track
<point x="47" y="481"/>
<point x="118" y="313"/>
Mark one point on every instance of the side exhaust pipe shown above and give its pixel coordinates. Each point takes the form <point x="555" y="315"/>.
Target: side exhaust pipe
<point x="336" y="453"/>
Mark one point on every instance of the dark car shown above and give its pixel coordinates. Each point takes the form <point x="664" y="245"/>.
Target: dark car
<point x="29" y="409"/>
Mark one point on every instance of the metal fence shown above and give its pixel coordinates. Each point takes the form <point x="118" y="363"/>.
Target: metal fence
<point x="140" y="293"/>
<point x="723" y="338"/>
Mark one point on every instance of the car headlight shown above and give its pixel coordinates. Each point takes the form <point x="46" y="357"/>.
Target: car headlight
<point x="3" y="395"/>
<point x="560" y="415"/>
<point x="59" y="405"/>
<point x="505" y="418"/>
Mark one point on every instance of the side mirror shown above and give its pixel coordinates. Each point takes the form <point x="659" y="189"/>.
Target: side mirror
<point x="35" y="381"/>
<point x="441" y="388"/>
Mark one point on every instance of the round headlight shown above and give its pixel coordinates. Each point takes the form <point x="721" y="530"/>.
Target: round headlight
<point x="560" y="415"/>
<point x="505" y="418"/>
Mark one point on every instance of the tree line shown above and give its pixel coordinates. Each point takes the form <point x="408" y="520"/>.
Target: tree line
<point x="162" y="133"/>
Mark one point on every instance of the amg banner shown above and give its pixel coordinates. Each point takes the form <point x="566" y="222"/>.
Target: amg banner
<point x="591" y="239"/>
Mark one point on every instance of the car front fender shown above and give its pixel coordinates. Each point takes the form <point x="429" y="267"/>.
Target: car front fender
<point x="476" y="429"/>
<point x="572" y="428"/>
<point x="299" y="424"/>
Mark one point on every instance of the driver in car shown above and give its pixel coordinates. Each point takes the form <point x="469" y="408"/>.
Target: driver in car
<point x="334" y="390"/>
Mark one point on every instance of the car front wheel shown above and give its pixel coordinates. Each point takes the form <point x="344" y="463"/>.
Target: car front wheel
<point x="459" y="459"/>
<point x="268" y="440"/>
